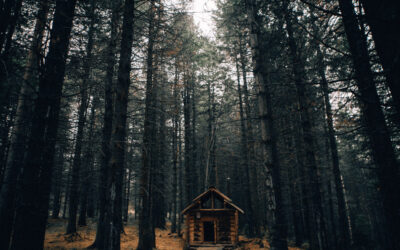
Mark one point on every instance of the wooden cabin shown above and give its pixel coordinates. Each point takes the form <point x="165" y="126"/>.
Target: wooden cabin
<point x="212" y="219"/>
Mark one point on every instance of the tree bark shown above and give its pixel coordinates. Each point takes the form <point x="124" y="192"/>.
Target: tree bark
<point x="317" y="224"/>
<point x="269" y="142"/>
<point x="211" y="171"/>
<point x="31" y="216"/>
<point x="180" y="175"/>
<point x="146" y="227"/>
<point x="249" y="127"/>
<point x="344" y="233"/>
<point x="159" y="199"/>
<point x="383" y="17"/>
<point x="87" y="170"/>
<point x="76" y="166"/>
<point x="7" y="87"/>
<point x="188" y="139"/>
<point x="195" y="172"/>
<point x="20" y="131"/>
<point x="127" y="192"/>
<point x="10" y="18"/>
<point x="66" y="193"/>
<point x="376" y="128"/>
<point x="175" y="152"/>
<point x="245" y="160"/>
<point x="113" y="220"/>
<point x="56" y="190"/>
<point x="107" y="124"/>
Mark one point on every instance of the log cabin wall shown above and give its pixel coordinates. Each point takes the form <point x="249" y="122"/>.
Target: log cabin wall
<point x="225" y="226"/>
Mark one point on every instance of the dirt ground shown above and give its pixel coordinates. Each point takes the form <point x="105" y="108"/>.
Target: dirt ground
<point x="57" y="240"/>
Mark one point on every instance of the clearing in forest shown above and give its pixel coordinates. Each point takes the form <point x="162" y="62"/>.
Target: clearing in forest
<point x="56" y="238"/>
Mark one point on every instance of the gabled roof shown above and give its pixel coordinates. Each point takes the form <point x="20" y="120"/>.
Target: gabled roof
<point x="223" y="197"/>
<point x="209" y="190"/>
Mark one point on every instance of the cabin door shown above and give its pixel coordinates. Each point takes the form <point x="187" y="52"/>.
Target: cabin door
<point x="209" y="231"/>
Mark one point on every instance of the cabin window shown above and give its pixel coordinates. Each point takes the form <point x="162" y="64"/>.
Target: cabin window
<point x="209" y="231"/>
<point x="218" y="203"/>
<point x="206" y="203"/>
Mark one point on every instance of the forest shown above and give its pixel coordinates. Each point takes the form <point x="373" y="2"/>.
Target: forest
<point x="116" y="114"/>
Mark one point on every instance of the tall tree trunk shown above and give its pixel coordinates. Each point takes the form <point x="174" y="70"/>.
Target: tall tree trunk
<point x="7" y="87"/>
<point x="136" y="194"/>
<point x="180" y="175"/>
<point x="128" y="176"/>
<point x="57" y="181"/>
<point x="294" y="178"/>
<point x="87" y="170"/>
<point x="344" y="233"/>
<point x="23" y="115"/>
<point x="383" y="17"/>
<point x="66" y="193"/>
<point x="76" y="166"/>
<point x="211" y="171"/>
<point x="31" y="215"/>
<point x="127" y="192"/>
<point x="269" y="141"/>
<point x="107" y="124"/>
<point x="249" y="127"/>
<point x="245" y="160"/>
<point x="304" y="184"/>
<point x="154" y="154"/>
<point x="175" y="152"/>
<point x="297" y="207"/>
<point x="376" y="128"/>
<point x="195" y="171"/>
<point x="318" y="224"/>
<point x="6" y="66"/>
<point x="113" y="220"/>
<point x="6" y="125"/>
<point x="159" y="199"/>
<point x="146" y="227"/>
<point x="188" y="139"/>
<point x="10" y="16"/>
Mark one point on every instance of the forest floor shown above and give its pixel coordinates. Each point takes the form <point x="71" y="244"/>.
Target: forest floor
<point x="57" y="240"/>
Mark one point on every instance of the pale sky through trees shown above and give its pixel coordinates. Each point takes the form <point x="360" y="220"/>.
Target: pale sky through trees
<point x="203" y="15"/>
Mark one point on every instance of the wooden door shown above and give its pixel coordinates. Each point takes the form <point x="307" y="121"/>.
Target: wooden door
<point x="209" y="231"/>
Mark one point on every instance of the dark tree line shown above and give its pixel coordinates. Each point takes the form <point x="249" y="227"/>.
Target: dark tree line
<point x="306" y="56"/>
<point x="113" y="112"/>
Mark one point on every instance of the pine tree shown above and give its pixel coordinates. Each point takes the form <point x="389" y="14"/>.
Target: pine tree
<point x="35" y="187"/>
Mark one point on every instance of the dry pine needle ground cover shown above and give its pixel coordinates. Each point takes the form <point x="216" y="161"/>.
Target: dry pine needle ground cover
<point x="56" y="238"/>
